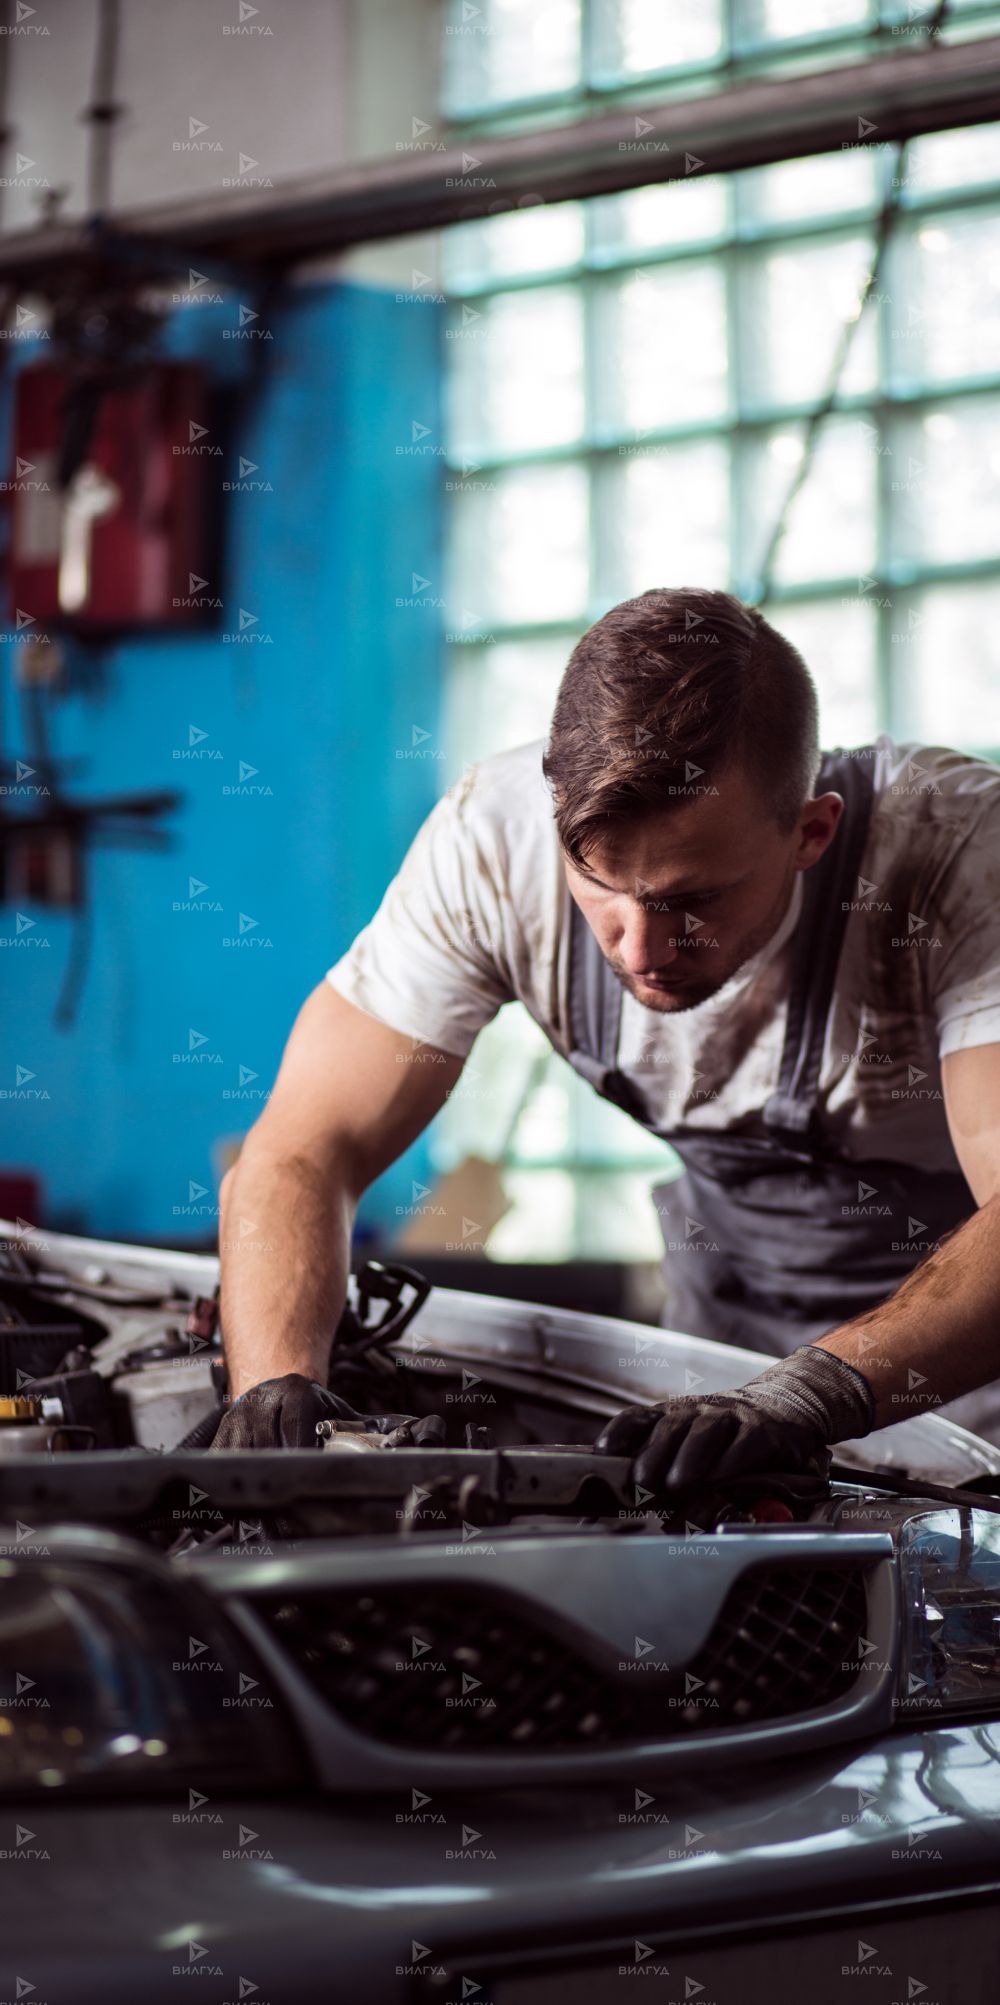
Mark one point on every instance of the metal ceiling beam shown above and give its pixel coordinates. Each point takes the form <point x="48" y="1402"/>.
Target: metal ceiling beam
<point x="889" y="98"/>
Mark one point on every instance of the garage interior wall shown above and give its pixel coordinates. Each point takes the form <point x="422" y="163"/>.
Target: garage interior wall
<point x="126" y="1105"/>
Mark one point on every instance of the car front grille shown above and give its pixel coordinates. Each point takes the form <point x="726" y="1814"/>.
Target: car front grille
<point x="458" y="1668"/>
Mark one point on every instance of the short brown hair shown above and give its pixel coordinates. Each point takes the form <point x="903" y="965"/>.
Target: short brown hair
<point x="671" y="681"/>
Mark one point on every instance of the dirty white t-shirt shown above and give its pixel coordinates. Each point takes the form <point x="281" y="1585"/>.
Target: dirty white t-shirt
<point x="478" y="915"/>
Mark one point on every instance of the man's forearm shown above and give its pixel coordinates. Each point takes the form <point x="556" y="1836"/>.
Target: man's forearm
<point x="939" y="1334"/>
<point x="284" y="1243"/>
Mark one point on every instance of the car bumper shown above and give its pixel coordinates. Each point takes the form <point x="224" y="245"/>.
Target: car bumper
<point x="326" y="1899"/>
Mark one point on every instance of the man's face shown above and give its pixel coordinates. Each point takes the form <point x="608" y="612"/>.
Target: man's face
<point x="678" y="900"/>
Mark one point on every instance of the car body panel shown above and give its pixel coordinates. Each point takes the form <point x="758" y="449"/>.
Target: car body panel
<point x="423" y="1889"/>
<point x="327" y="1899"/>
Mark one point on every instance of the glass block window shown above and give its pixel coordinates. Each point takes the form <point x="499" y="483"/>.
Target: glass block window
<point x="631" y="384"/>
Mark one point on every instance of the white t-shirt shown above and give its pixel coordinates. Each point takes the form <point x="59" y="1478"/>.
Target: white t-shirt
<point x="479" y="912"/>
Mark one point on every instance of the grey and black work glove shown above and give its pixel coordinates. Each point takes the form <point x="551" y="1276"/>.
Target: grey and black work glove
<point x="783" y="1421"/>
<point x="284" y="1412"/>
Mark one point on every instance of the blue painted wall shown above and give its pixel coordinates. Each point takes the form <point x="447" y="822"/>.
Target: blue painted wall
<point x="133" y="1115"/>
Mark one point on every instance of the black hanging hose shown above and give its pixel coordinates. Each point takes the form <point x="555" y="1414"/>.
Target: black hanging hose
<point x="376" y="1281"/>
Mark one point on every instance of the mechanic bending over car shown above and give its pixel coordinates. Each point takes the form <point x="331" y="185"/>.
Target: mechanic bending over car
<point x="785" y="964"/>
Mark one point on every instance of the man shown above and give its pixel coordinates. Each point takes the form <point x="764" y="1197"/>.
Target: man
<point x="788" y="968"/>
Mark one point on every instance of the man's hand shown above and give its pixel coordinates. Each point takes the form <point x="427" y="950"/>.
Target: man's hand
<point x="285" y="1412"/>
<point x="783" y="1421"/>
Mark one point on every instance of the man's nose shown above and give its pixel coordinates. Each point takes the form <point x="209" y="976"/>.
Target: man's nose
<point x="650" y="939"/>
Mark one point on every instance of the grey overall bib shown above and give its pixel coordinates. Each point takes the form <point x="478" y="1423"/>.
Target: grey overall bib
<point x="768" y="1242"/>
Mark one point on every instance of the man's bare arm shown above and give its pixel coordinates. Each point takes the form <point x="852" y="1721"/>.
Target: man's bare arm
<point x="350" y="1096"/>
<point x="935" y="1338"/>
<point x="942" y="1326"/>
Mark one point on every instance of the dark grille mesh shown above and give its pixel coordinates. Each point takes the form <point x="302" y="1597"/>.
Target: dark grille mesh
<point x="460" y="1668"/>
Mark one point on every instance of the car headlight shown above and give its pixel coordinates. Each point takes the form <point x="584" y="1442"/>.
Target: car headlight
<point x="114" y="1675"/>
<point x="950" y="1561"/>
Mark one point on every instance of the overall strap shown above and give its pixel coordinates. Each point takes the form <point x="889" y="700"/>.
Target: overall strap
<point x="827" y="892"/>
<point x="595" y="1005"/>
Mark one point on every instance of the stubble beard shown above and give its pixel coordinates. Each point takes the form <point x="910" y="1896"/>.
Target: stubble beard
<point x="690" y="993"/>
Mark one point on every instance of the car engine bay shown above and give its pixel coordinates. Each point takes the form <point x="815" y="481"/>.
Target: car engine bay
<point x="73" y="1382"/>
<point x="493" y="1595"/>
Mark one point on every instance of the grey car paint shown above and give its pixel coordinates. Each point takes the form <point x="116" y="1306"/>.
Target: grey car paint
<point x="867" y="1869"/>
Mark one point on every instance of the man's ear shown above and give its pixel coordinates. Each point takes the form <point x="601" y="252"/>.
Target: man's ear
<point x="818" y="824"/>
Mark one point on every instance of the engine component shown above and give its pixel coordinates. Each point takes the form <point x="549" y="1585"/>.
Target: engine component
<point x="36" y="1331"/>
<point x="86" y="1402"/>
<point x="166" y="1400"/>
<point x="30" y="1426"/>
